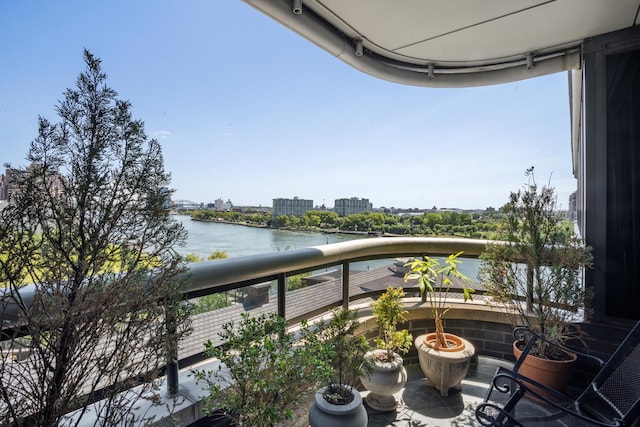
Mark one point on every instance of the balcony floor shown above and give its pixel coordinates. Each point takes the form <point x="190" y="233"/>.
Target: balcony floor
<point x="422" y="405"/>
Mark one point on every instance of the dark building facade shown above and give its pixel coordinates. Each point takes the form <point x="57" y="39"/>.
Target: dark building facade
<point x="609" y="171"/>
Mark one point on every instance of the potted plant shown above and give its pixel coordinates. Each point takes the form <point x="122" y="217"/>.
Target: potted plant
<point x="444" y="358"/>
<point x="387" y="374"/>
<point x="338" y="402"/>
<point x="265" y="371"/>
<point x="536" y="274"/>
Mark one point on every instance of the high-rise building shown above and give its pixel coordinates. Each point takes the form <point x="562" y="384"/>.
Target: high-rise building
<point x="354" y="205"/>
<point x="572" y="213"/>
<point x="8" y="182"/>
<point x="293" y="206"/>
<point x="221" y="205"/>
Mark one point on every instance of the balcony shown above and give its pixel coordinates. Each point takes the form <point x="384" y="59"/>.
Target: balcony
<point x="488" y="328"/>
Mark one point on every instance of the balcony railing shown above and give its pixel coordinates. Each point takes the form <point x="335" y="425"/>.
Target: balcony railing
<point x="226" y="274"/>
<point x="233" y="273"/>
<point x="211" y="277"/>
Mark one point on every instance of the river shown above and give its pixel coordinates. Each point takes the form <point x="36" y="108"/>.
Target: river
<point x="239" y="240"/>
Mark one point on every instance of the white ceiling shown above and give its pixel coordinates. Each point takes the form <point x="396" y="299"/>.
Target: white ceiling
<point x="467" y="42"/>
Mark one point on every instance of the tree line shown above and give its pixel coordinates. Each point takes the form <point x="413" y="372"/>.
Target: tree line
<point x="472" y="225"/>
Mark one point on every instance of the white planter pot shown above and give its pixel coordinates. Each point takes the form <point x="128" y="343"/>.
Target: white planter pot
<point x="325" y="414"/>
<point x="384" y="380"/>
<point x="444" y="370"/>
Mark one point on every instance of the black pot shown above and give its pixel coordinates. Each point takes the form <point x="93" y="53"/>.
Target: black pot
<point x="217" y="419"/>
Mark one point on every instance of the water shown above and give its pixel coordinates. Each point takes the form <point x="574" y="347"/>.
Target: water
<point x="239" y="240"/>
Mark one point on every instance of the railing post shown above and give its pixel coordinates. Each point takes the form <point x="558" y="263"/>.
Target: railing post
<point x="172" y="375"/>
<point x="529" y="296"/>
<point x="282" y="282"/>
<point x="345" y="285"/>
<point x="172" y="350"/>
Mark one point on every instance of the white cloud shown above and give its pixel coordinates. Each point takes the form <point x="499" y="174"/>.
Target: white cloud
<point x="162" y="134"/>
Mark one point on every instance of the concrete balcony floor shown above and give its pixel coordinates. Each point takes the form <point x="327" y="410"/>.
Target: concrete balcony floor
<point x="422" y="405"/>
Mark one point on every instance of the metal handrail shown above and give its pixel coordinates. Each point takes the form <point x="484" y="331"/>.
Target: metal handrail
<point x="217" y="276"/>
<point x="233" y="273"/>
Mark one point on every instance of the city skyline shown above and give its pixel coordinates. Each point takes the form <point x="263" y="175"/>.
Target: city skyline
<point x="260" y="114"/>
<point x="212" y="204"/>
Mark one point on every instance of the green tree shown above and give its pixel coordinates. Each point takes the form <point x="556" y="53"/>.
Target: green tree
<point x="328" y="219"/>
<point x="268" y="371"/>
<point x="90" y="227"/>
<point x="193" y="257"/>
<point x="219" y="254"/>
<point x="281" y="221"/>
<point x="294" y="221"/>
<point x="295" y="282"/>
<point x="211" y="302"/>
<point x="542" y="263"/>
<point x="389" y="311"/>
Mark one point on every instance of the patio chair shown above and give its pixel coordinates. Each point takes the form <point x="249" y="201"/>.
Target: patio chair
<point x="611" y="399"/>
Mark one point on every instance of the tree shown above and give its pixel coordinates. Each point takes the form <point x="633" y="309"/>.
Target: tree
<point x="193" y="257"/>
<point x="90" y="229"/>
<point x="295" y="282"/>
<point x="281" y="221"/>
<point x="211" y="302"/>
<point x="217" y="254"/>
<point x="268" y="370"/>
<point x="542" y="264"/>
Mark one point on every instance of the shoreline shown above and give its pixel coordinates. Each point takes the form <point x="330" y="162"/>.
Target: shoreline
<point x="313" y="230"/>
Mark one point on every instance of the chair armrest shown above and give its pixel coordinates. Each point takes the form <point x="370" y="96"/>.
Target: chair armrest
<point x="491" y="414"/>
<point x="516" y="386"/>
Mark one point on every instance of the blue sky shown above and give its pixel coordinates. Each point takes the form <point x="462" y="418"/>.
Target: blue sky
<point x="247" y="110"/>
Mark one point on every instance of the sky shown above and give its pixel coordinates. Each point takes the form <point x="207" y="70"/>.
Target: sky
<point x="247" y="110"/>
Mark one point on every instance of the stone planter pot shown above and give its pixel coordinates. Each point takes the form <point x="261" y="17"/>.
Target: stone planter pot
<point x="385" y="379"/>
<point x="444" y="369"/>
<point x="325" y="414"/>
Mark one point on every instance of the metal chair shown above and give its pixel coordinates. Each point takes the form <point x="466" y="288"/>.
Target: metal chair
<point x="611" y="399"/>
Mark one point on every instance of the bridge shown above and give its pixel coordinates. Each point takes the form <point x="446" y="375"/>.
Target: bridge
<point x="184" y="205"/>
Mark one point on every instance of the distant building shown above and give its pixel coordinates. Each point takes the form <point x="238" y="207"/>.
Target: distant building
<point x="293" y="206"/>
<point x="220" y="205"/>
<point x="8" y="182"/>
<point x="346" y="207"/>
<point x="572" y="213"/>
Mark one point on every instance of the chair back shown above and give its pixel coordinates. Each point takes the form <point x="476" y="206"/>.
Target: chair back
<point x="618" y="382"/>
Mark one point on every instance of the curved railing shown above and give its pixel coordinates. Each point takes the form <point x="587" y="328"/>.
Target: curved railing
<point x="231" y="273"/>
<point x="217" y="276"/>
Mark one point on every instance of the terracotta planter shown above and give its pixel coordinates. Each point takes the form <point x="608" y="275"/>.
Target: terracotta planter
<point x="454" y="342"/>
<point x="325" y="414"/>
<point x="552" y="373"/>
<point x="385" y="379"/>
<point x="444" y="369"/>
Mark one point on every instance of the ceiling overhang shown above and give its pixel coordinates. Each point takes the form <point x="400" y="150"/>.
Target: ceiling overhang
<point x="453" y="43"/>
